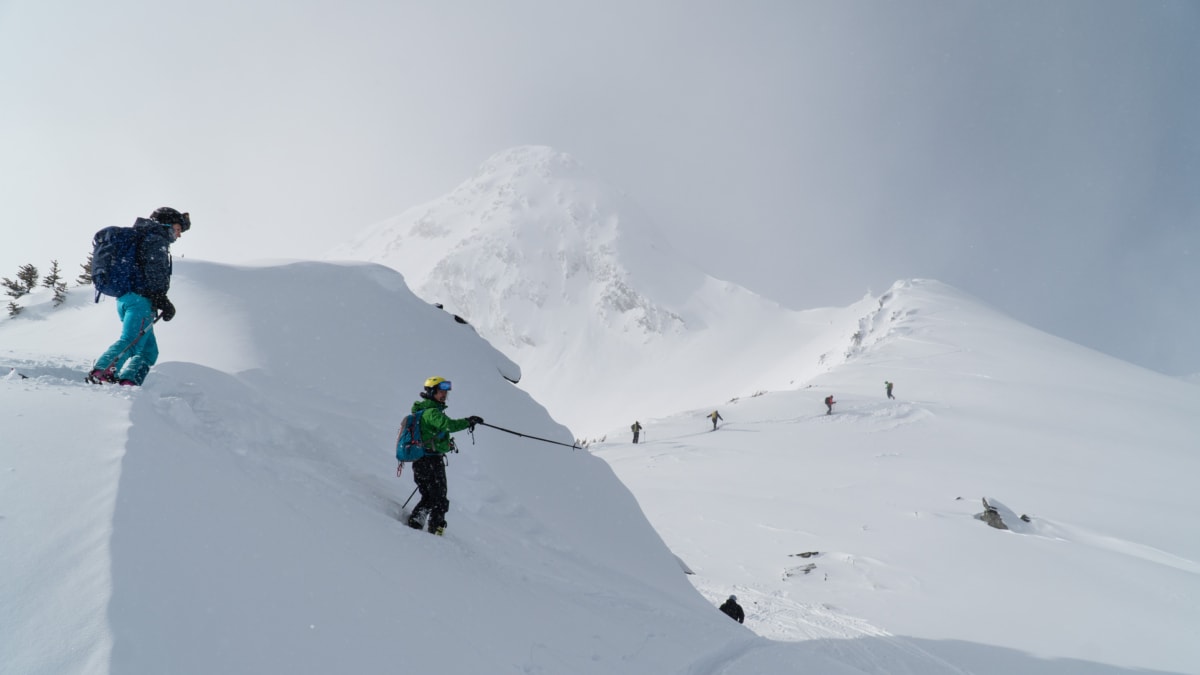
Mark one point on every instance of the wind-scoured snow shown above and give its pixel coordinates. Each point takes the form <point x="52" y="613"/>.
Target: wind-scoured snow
<point x="569" y="278"/>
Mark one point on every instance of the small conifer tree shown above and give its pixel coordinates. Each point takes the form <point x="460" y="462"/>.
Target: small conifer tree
<point x="13" y="308"/>
<point x="13" y="289"/>
<point x="54" y="278"/>
<point x="28" y="275"/>
<point x="54" y="281"/>
<point x="85" y="277"/>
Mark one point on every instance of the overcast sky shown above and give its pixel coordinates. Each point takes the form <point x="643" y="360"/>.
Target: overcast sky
<point x="1045" y="156"/>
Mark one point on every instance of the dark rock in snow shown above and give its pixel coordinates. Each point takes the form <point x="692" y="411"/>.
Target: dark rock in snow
<point x="991" y="516"/>
<point x="795" y="571"/>
<point x="1001" y="517"/>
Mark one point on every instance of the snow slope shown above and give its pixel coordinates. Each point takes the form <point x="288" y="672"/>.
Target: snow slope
<point x="1101" y="455"/>
<point x="566" y="276"/>
<point x="238" y="514"/>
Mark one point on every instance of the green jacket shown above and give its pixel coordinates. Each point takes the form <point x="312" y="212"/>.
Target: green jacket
<point x="436" y="427"/>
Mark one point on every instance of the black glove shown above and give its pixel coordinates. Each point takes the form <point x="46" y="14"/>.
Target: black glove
<point x="475" y="419"/>
<point x="164" y="305"/>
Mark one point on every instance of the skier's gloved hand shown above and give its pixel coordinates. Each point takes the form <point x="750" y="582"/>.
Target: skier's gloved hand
<point x="167" y="309"/>
<point x="475" y="419"/>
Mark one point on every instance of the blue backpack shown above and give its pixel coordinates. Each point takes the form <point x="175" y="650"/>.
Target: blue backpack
<point x="409" y="447"/>
<point x="115" y="269"/>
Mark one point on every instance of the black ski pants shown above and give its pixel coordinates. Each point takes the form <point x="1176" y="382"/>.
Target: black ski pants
<point x="429" y="473"/>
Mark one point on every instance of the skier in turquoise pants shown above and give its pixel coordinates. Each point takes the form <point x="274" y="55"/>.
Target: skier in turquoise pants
<point x="136" y="350"/>
<point x="128" y="360"/>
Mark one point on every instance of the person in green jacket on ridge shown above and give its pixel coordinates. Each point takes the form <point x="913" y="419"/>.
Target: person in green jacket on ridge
<point x="429" y="472"/>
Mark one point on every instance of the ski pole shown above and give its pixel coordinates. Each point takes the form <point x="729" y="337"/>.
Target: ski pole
<point x="131" y="344"/>
<point x="517" y="433"/>
<point x="406" y="501"/>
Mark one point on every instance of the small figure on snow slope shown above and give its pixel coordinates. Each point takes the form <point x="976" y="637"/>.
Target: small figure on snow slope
<point x="429" y="472"/>
<point x="714" y="416"/>
<point x="636" y="428"/>
<point x="129" y="358"/>
<point x="734" y="610"/>
<point x="829" y="404"/>
<point x="888" y="387"/>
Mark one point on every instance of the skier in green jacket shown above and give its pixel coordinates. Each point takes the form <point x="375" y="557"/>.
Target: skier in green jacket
<point x="429" y="472"/>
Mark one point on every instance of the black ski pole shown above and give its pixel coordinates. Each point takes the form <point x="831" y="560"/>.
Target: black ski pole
<point x="517" y="433"/>
<point x="406" y="501"/>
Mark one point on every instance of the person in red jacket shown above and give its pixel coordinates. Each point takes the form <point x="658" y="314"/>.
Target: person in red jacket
<point x="829" y="404"/>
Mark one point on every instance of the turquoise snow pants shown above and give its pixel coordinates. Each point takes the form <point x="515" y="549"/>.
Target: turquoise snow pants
<point x="134" y="352"/>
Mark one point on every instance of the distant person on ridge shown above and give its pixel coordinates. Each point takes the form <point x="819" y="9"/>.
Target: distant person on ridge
<point x="829" y="404"/>
<point x="429" y="472"/>
<point x="129" y="358"/>
<point x="714" y="416"/>
<point x="636" y="428"/>
<point x="888" y="386"/>
<point x="734" y="610"/>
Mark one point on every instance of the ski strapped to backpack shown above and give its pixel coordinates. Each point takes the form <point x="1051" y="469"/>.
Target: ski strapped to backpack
<point x="115" y="269"/>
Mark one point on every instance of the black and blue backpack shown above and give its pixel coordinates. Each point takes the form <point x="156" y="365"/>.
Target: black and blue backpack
<point x="115" y="269"/>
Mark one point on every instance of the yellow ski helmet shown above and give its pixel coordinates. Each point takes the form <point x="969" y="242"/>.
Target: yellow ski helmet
<point x="437" y="383"/>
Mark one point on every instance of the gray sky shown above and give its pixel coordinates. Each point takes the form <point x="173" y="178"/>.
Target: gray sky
<point x="1043" y="156"/>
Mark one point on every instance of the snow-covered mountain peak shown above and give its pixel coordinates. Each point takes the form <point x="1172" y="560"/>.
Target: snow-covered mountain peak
<point x="534" y="234"/>
<point x="539" y="161"/>
<point x="509" y="184"/>
<point x="557" y="268"/>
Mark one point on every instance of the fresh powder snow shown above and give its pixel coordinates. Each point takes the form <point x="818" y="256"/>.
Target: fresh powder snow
<point x="241" y="512"/>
